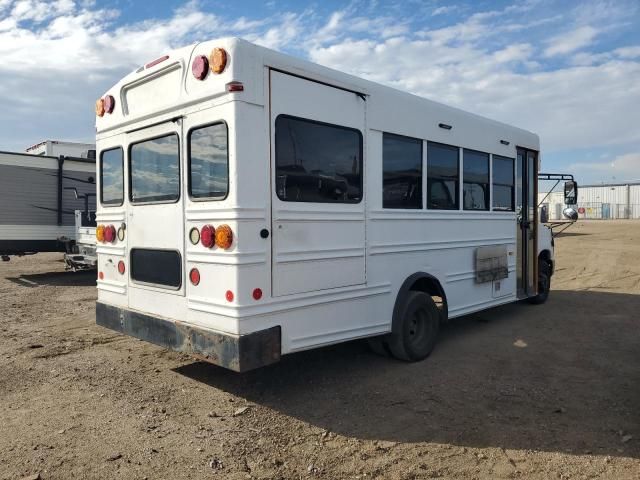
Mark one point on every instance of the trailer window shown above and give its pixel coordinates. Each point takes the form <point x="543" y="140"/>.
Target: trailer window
<point x="209" y="162"/>
<point x="503" y="183"/>
<point x="475" y="175"/>
<point x="401" y="172"/>
<point x="112" y="177"/>
<point x="155" y="170"/>
<point x="443" y="174"/>
<point x="317" y="162"/>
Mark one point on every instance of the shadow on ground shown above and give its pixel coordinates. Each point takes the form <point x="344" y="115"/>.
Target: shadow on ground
<point x="563" y="377"/>
<point x="57" y="279"/>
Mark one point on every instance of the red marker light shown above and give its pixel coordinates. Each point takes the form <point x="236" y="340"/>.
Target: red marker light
<point x="156" y="61"/>
<point x="235" y="87"/>
<point x="101" y="275"/>
<point x="109" y="103"/>
<point x="200" y="67"/>
<point x="194" y="276"/>
<point x="257" y="294"/>
<point x="229" y="296"/>
<point x="121" y="268"/>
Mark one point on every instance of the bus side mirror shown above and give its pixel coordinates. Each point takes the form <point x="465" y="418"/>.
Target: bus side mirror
<point x="570" y="192"/>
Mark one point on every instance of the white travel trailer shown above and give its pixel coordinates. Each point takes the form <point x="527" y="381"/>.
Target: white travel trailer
<point x="253" y="205"/>
<point x="38" y="197"/>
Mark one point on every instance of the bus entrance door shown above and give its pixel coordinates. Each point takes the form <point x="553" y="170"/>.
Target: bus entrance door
<point x="527" y="214"/>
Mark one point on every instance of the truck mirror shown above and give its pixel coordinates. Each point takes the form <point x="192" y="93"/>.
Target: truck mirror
<point x="570" y="192"/>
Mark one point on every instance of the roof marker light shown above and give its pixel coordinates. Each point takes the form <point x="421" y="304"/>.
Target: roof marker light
<point x="156" y="61"/>
<point x="218" y="60"/>
<point x="100" y="107"/>
<point x="109" y="104"/>
<point x="200" y="67"/>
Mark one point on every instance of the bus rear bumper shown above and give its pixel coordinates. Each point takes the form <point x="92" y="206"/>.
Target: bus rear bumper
<point x="235" y="352"/>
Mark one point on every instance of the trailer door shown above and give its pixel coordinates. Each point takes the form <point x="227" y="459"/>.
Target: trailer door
<point x="317" y="185"/>
<point x="154" y="230"/>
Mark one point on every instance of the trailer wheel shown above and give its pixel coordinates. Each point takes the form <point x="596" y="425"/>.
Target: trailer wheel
<point x="415" y="334"/>
<point x="544" y="283"/>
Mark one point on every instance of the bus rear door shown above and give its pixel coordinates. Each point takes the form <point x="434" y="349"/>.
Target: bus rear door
<point x="155" y="231"/>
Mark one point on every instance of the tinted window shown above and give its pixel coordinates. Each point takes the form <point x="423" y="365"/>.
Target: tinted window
<point x="503" y="183"/>
<point x="208" y="162"/>
<point x="112" y="177"/>
<point x="443" y="185"/>
<point x="155" y="170"/>
<point x="317" y="162"/>
<point x="402" y="172"/>
<point x="476" y="180"/>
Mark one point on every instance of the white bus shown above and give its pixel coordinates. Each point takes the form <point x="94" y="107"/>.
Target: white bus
<point x="252" y="205"/>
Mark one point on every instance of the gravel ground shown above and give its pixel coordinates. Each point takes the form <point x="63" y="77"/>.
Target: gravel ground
<point x="519" y="391"/>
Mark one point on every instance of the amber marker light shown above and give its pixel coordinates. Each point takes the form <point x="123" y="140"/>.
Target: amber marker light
<point x="100" y="107"/>
<point x="224" y="236"/>
<point x="100" y="233"/>
<point x="218" y="60"/>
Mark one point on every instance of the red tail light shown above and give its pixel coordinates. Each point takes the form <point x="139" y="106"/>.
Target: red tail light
<point x="229" y="296"/>
<point x="109" y="234"/>
<point x="208" y="236"/>
<point x="121" y="268"/>
<point x="194" y="276"/>
<point x="101" y="275"/>
<point x="257" y="294"/>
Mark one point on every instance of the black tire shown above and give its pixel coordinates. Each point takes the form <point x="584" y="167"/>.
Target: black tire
<point x="415" y="331"/>
<point x="544" y="284"/>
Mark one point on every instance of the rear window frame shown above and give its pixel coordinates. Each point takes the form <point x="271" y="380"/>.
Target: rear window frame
<point x="188" y="140"/>
<point x="130" y="175"/>
<point x="109" y="205"/>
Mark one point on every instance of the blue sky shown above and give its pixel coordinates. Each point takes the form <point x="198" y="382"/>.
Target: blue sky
<point x="569" y="71"/>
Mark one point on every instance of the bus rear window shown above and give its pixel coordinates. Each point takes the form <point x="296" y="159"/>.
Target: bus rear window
<point x="155" y="170"/>
<point x="112" y="177"/>
<point x="209" y="162"/>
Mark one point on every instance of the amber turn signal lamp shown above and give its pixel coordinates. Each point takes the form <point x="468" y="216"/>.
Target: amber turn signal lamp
<point x="224" y="236"/>
<point x="218" y="60"/>
<point x="100" y="233"/>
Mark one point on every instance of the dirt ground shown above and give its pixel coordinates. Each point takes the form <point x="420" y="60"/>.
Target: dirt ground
<point x="520" y="391"/>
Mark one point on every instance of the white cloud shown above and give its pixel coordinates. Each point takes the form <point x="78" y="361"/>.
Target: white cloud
<point x="625" y="166"/>
<point x="571" y="41"/>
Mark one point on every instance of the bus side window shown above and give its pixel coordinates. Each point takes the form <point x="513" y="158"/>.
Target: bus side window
<point x="443" y="176"/>
<point x="401" y="171"/>
<point x="317" y="162"/>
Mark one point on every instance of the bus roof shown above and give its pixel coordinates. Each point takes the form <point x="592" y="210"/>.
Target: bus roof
<point x="154" y="92"/>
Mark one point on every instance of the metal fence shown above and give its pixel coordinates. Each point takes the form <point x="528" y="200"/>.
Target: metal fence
<point x="597" y="211"/>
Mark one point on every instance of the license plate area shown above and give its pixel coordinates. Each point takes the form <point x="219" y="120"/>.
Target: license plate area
<point x="159" y="268"/>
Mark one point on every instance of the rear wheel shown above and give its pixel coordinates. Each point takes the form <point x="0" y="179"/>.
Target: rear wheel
<point x="544" y="283"/>
<point x="416" y="330"/>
